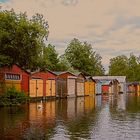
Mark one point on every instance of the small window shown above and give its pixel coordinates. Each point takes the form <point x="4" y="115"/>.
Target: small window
<point x="10" y="76"/>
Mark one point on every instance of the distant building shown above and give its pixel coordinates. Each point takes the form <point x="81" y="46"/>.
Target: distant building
<point x="121" y="80"/>
<point x="133" y="87"/>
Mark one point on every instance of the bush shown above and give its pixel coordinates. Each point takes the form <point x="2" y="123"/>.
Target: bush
<point x="13" y="97"/>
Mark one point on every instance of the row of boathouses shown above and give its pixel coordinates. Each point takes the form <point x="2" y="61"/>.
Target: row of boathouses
<point x="46" y="84"/>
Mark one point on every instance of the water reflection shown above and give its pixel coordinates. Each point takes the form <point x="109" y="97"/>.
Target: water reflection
<point x="101" y="118"/>
<point x="12" y="122"/>
<point x="42" y="120"/>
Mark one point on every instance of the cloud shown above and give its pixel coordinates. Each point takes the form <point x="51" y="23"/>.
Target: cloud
<point x="111" y="26"/>
<point x="70" y="2"/>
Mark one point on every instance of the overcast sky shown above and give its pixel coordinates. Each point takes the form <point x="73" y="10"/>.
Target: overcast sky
<point x="111" y="26"/>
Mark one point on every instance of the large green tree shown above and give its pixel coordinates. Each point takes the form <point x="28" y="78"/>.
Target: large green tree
<point x="82" y="58"/>
<point x="63" y="64"/>
<point x="134" y="67"/>
<point x="52" y="61"/>
<point x="122" y="65"/>
<point x="49" y="58"/>
<point x="21" y="39"/>
<point x="118" y="65"/>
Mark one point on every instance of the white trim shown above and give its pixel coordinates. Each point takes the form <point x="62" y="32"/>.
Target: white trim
<point x="12" y="79"/>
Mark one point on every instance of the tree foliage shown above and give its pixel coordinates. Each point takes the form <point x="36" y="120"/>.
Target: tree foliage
<point x="82" y="58"/>
<point x="21" y="39"/>
<point x="122" y="65"/>
<point x="118" y="66"/>
<point x="63" y="64"/>
<point x="49" y="58"/>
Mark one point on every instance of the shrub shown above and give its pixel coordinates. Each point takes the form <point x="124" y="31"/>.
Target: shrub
<point x="13" y="97"/>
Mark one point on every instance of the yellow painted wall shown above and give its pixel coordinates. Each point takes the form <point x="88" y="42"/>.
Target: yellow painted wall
<point x="138" y="90"/>
<point x="13" y="83"/>
<point x="32" y="88"/>
<point x="86" y="88"/>
<point x="36" y="88"/>
<point x="92" y="88"/>
<point x="39" y="88"/>
<point x="53" y="88"/>
<point x="89" y="88"/>
<point x="50" y="88"/>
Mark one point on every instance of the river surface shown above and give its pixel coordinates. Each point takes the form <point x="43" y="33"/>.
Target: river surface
<point x="99" y="118"/>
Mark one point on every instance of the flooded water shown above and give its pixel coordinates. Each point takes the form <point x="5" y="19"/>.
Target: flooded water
<point x="99" y="118"/>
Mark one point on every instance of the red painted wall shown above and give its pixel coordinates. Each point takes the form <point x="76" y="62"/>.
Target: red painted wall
<point x="17" y="70"/>
<point x="105" y="88"/>
<point x="44" y="75"/>
<point x="65" y="75"/>
<point x="25" y="83"/>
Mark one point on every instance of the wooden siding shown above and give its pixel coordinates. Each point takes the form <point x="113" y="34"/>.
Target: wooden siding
<point x="50" y="88"/>
<point x="111" y="89"/>
<point x="36" y="88"/>
<point x="61" y="88"/>
<point x="25" y="83"/>
<point x="65" y="75"/>
<point x="44" y="75"/>
<point x="15" y="84"/>
<point x="132" y="88"/>
<point x="138" y="89"/>
<point x="89" y="88"/>
<point x="71" y="83"/>
<point x="98" y="88"/>
<point x="80" y="88"/>
<point x="80" y="85"/>
<point x="48" y="75"/>
<point x="86" y="88"/>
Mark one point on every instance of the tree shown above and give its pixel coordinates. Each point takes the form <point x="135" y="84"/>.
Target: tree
<point x="21" y="39"/>
<point x="133" y="68"/>
<point x="63" y="64"/>
<point x="49" y="58"/>
<point x="130" y="67"/>
<point x="118" y="66"/>
<point x="82" y="58"/>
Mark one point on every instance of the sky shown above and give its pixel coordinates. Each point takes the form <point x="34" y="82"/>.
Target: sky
<point x="112" y="27"/>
